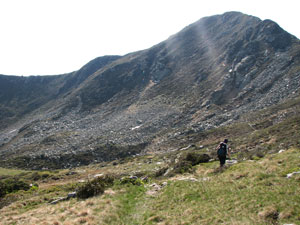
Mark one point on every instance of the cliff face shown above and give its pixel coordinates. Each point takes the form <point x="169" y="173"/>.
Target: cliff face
<point x="207" y="75"/>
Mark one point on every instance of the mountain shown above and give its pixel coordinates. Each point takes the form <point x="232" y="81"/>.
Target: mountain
<point x="213" y="73"/>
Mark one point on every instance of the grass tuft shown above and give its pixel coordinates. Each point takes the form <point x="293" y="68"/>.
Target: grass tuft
<point x="95" y="187"/>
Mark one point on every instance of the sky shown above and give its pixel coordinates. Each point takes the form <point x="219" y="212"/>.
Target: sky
<point x="48" y="37"/>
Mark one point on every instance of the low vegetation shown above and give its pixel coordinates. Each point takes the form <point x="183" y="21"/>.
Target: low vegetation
<point x="249" y="192"/>
<point x="95" y="187"/>
<point x="12" y="185"/>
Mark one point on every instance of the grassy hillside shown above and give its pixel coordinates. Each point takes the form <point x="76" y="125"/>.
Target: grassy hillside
<point x="249" y="192"/>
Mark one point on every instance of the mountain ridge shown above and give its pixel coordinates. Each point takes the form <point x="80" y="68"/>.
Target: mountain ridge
<point x="206" y="76"/>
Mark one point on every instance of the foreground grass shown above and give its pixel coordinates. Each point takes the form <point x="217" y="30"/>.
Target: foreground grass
<point x="234" y="197"/>
<point x="250" y="192"/>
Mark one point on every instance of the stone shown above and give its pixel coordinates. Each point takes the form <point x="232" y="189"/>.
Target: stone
<point x="164" y="184"/>
<point x="188" y="179"/>
<point x="72" y="195"/>
<point x="98" y="175"/>
<point x="58" y="200"/>
<point x="205" y="179"/>
<point x="187" y="147"/>
<point x="233" y="161"/>
<point x="193" y="179"/>
<point x="289" y="175"/>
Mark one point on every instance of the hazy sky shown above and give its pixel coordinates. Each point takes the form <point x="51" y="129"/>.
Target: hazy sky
<point x="40" y="37"/>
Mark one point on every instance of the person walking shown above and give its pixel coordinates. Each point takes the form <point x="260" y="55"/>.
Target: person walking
<point x="223" y="151"/>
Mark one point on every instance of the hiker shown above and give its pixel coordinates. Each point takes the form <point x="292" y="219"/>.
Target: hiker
<point x="223" y="151"/>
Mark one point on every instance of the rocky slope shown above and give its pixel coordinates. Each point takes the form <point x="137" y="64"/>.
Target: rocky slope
<point x="208" y="75"/>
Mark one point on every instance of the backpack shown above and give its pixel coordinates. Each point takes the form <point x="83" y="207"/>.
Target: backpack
<point x="222" y="150"/>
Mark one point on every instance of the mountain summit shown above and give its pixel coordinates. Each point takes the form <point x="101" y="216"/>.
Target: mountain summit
<point x="206" y="76"/>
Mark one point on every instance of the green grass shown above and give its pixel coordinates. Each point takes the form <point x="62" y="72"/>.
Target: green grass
<point x="128" y="205"/>
<point x="250" y="192"/>
<point x="10" y="172"/>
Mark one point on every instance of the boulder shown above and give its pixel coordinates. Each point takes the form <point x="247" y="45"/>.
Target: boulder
<point x="71" y="195"/>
